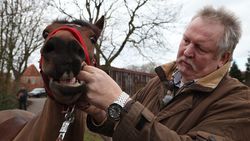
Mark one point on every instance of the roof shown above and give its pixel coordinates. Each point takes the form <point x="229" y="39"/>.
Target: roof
<point x="31" y="71"/>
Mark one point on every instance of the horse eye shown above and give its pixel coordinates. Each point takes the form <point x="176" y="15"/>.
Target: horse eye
<point x="93" y="39"/>
<point x="45" y="34"/>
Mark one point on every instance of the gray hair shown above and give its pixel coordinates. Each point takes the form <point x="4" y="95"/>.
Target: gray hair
<point x="231" y="23"/>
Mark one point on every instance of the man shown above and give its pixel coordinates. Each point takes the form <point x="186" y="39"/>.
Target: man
<point x="192" y="98"/>
<point x="22" y="95"/>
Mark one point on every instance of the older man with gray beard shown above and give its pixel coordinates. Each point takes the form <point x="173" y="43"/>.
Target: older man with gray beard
<point x="192" y="98"/>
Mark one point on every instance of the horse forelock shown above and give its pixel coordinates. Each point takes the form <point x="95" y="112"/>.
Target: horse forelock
<point x="81" y="23"/>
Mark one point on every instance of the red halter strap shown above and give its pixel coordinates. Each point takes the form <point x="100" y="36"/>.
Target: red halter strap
<point x="77" y="35"/>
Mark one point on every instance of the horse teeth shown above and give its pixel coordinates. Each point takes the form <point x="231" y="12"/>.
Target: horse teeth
<point x="70" y="82"/>
<point x="73" y="80"/>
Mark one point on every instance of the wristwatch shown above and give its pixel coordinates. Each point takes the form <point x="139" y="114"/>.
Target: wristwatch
<point x="115" y="109"/>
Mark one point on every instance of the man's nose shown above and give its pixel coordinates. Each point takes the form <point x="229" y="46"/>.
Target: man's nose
<point x="189" y="51"/>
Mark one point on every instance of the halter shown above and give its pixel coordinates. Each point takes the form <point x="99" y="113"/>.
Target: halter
<point x="77" y="35"/>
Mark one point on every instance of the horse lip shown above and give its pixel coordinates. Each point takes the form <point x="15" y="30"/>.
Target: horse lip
<point x="67" y="90"/>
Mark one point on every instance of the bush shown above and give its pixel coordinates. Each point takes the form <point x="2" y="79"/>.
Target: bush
<point x="7" y="101"/>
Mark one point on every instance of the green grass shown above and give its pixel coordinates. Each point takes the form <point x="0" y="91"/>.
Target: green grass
<point x="90" y="136"/>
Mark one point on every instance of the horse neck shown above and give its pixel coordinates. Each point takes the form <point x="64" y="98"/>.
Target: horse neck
<point x="52" y="112"/>
<point x="47" y="124"/>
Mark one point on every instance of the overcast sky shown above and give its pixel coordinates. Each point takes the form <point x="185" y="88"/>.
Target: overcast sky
<point x="189" y="8"/>
<point x="240" y="8"/>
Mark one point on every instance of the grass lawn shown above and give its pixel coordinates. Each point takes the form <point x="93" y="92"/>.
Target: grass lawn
<point x="90" y="136"/>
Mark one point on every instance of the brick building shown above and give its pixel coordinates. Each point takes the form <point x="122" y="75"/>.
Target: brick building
<point x="31" y="78"/>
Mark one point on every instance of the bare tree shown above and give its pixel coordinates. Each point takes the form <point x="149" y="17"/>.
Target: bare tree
<point x="136" y="24"/>
<point x="148" y="67"/>
<point x="20" y="35"/>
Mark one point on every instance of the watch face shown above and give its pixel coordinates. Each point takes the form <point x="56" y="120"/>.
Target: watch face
<point x="114" y="111"/>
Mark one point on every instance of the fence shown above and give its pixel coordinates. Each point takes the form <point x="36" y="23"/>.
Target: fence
<point x="130" y="81"/>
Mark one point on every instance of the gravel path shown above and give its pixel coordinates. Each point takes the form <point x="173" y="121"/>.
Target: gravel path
<point x="36" y="105"/>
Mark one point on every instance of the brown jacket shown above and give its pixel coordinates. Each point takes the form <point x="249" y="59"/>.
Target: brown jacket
<point x="214" y="108"/>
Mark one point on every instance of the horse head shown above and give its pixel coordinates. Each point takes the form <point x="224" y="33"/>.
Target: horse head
<point x="68" y="44"/>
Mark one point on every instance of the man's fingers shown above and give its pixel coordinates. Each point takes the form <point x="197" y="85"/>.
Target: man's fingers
<point x="88" y="68"/>
<point x="83" y="106"/>
<point x="92" y="110"/>
<point x="91" y="69"/>
<point x="84" y="76"/>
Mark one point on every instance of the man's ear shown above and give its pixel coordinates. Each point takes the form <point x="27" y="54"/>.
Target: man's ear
<point x="224" y="59"/>
<point x="100" y="23"/>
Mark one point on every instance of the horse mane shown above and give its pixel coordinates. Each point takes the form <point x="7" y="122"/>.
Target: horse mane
<point x="80" y="23"/>
<point x="77" y="22"/>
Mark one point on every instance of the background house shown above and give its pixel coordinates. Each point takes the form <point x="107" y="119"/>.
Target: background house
<point x="31" y="78"/>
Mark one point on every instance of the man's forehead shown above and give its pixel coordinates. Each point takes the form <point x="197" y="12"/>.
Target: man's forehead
<point x="204" y="30"/>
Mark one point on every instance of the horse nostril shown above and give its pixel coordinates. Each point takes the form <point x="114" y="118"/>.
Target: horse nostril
<point x="48" y="48"/>
<point x="51" y="44"/>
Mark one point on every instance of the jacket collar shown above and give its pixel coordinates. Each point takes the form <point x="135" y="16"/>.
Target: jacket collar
<point x="207" y="83"/>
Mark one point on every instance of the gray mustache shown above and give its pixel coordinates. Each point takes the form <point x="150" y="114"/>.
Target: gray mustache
<point x="189" y="61"/>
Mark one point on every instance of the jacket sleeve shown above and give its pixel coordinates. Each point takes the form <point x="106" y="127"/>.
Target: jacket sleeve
<point x="217" y="124"/>
<point x="140" y="124"/>
<point x="107" y="128"/>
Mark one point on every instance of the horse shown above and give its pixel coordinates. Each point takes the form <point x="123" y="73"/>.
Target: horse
<point x="67" y="46"/>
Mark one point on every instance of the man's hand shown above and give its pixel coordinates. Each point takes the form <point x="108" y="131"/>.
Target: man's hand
<point x="102" y="89"/>
<point x="98" y="115"/>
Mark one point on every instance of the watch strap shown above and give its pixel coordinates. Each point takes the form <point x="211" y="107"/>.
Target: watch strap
<point x="122" y="99"/>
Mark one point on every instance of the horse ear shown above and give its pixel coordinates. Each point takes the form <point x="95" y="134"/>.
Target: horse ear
<point x="100" y="23"/>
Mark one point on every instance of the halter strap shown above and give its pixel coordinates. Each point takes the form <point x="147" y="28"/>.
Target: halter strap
<point x="77" y="35"/>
